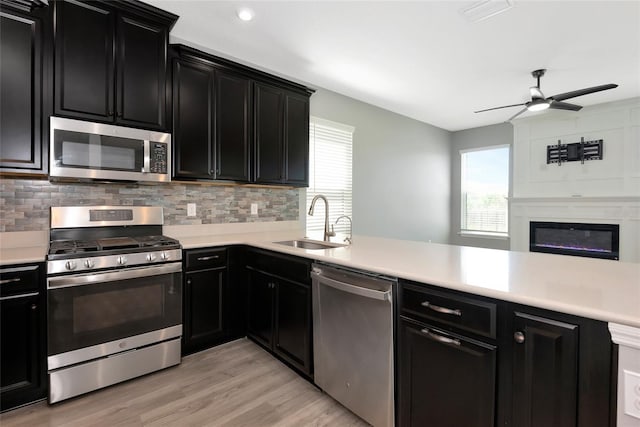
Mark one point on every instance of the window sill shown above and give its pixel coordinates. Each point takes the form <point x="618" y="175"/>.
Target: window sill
<point x="484" y="235"/>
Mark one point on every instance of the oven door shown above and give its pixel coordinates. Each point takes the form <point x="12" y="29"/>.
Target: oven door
<point x="95" y="315"/>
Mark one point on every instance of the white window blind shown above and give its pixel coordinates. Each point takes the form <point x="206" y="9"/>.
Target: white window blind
<point x="330" y="154"/>
<point x="485" y="187"/>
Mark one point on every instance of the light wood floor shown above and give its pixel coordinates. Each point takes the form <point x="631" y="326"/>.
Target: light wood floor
<point x="235" y="384"/>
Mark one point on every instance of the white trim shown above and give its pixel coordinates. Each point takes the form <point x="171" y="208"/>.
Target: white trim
<point x="484" y="235"/>
<point x="627" y="336"/>
<point x="329" y="123"/>
<point x="488" y="147"/>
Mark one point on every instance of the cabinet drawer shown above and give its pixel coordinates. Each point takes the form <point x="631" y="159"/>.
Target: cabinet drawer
<point x="19" y="280"/>
<point x="199" y="259"/>
<point x="455" y="311"/>
<point x="292" y="268"/>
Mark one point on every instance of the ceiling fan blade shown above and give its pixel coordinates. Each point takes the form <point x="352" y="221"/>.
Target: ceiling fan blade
<point x="497" y="108"/>
<point x="564" y="106"/>
<point x="517" y="114"/>
<point x="580" y="92"/>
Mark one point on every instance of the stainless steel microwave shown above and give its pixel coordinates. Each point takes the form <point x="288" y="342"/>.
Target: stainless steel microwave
<point x="95" y="151"/>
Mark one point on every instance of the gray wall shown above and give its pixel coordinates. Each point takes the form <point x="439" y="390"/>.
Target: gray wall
<point x="486" y="136"/>
<point x="401" y="170"/>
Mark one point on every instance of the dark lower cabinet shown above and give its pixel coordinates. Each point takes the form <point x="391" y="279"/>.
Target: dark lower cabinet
<point x="279" y="308"/>
<point x="445" y="379"/>
<point x="22" y="336"/>
<point x="24" y="89"/>
<point x="545" y="371"/>
<point x="214" y="298"/>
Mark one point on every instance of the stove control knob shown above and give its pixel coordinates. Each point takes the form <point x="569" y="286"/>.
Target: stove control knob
<point x="89" y="263"/>
<point x="164" y="256"/>
<point x="151" y="257"/>
<point x="122" y="260"/>
<point x="70" y="265"/>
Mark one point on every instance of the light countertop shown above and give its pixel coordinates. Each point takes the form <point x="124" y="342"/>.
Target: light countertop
<point x="598" y="289"/>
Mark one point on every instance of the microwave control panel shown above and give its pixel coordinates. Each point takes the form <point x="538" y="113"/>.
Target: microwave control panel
<point x="158" y="154"/>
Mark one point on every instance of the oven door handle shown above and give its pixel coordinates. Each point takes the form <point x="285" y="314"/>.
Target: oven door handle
<point x="112" y="276"/>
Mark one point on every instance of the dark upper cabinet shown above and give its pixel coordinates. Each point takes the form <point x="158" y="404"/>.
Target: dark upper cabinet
<point x="192" y="120"/>
<point x="269" y="123"/>
<point x="281" y="136"/>
<point x="296" y="131"/>
<point x="142" y="73"/>
<point x="211" y="120"/>
<point x="545" y="370"/>
<point x="22" y="339"/>
<point x="110" y="63"/>
<point x="233" y="125"/>
<point x="24" y="89"/>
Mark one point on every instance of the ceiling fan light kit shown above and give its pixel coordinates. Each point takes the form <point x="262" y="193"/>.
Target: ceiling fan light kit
<point x="539" y="102"/>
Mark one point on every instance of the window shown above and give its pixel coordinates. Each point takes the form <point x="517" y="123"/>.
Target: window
<point x="485" y="187"/>
<point x="329" y="174"/>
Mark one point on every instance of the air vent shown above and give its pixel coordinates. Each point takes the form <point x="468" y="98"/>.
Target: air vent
<point x="479" y="11"/>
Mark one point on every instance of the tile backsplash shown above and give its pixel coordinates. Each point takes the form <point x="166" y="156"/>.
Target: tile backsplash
<point x="24" y="203"/>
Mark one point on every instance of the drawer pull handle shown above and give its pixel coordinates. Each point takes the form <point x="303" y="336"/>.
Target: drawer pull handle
<point x="208" y="258"/>
<point x="440" y="338"/>
<point x="443" y="310"/>
<point x="5" y="281"/>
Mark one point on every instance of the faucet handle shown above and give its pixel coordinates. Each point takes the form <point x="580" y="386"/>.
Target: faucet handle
<point x="331" y="233"/>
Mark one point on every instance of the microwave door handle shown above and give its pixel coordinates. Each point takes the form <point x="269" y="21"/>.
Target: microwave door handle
<point x="146" y="165"/>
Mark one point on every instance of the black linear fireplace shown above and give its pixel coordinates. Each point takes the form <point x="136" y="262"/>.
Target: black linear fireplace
<point x="587" y="240"/>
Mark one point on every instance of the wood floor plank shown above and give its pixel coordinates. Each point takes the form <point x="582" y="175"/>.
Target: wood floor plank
<point x="235" y="384"/>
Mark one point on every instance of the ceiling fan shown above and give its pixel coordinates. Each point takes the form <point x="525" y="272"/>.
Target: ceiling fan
<point x="539" y="102"/>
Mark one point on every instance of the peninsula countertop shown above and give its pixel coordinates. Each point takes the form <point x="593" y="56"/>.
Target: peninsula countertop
<point x="594" y="288"/>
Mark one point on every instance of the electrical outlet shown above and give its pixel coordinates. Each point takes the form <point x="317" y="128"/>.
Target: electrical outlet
<point x="632" y="393"/>
<point x="191" y="209"/>
<point x="254" y="209"/>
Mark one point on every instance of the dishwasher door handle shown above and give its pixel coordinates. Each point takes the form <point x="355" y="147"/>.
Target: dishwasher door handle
<point x="353" y="289"/>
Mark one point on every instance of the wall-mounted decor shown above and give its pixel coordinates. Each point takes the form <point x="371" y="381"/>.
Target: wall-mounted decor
<point x="583" y="150"/>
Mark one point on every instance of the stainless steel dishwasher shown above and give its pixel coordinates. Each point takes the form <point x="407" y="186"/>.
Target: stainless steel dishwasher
<point x="353" y="340"/>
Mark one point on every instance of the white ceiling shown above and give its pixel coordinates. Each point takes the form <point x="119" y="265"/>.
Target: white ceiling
<point x="424" y="59"/>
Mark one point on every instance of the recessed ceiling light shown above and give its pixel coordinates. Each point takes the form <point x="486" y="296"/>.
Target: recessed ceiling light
<point x="245" y="14"/>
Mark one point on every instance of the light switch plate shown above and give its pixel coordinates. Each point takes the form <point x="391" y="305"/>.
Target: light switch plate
<point x="191" y="209"/>
<point x="254" y="209"/>
<point x="632" y="393"/>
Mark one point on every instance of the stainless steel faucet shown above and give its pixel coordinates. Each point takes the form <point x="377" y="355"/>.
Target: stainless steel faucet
<point x="349" y="239"/>
<point x="327" y="233"/>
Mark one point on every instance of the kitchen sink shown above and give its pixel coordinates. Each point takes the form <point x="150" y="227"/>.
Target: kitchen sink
<point x="310" y="244"/>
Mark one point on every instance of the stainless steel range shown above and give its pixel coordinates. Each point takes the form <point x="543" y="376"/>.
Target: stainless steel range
<point x="114" y="297"/>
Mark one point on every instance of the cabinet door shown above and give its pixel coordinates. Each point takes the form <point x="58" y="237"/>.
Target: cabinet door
<point x="204" y="295"/>
<point x="260" y="307"/>
<point x="297" y="139"/>
<point x="292" y="335"/>
<point x="192" y="120"/>
<point x="20" y="351"/>
<point x="232" y="112"/>
<point x="444" y="380"/>
<point x="22" y="121"/>
<point x="545" y="366"/>
<point x="141" y="71"/>
<point x="269" y="139"/>
<point x="84" y="60"/>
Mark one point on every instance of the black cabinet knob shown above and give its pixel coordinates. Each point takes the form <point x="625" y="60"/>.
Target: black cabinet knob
<point x="34" y="306"/>
<point x="188" y="281"/>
